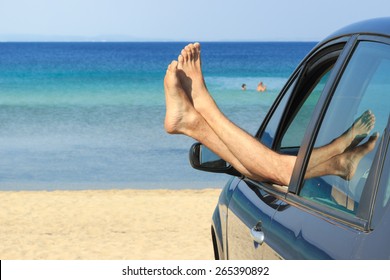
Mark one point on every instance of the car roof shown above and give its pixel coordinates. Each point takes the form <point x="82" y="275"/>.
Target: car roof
<point x="376" y="26"/>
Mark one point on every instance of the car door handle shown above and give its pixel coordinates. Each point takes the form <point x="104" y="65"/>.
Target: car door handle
<point x="257" y="234"/>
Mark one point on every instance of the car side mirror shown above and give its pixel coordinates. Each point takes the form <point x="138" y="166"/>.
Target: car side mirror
<point x="204" y="159"/>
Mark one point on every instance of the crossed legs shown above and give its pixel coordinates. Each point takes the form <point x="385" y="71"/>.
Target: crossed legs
<point x="193" y="112"/>
<point x="182" y="118"/>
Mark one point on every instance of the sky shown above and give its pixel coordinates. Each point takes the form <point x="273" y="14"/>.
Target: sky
<point x="181" y="20"/>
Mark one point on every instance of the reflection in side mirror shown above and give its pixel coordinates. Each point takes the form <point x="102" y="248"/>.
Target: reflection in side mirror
<point x="202" y="158"/>
<point x="210" y="160"/>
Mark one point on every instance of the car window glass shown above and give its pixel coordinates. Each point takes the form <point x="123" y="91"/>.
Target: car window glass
<point x="295" y="132"/>
<point x="350" y="132"/>
<point x="268" y="136"/>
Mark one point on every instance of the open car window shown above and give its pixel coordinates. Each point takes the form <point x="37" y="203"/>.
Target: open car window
<point x="284" y="131"/>
<point x="305" y="99"/>
<point x="293" y="136"/>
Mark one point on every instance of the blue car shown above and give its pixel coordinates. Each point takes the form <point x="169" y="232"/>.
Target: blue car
<point x="344" y="79"/>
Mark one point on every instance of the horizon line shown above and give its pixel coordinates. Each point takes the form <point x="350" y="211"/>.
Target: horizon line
<point x="127" y="38"/>
<point x="158" y="41"/>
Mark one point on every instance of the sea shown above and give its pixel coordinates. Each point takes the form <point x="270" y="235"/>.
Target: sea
<point x="78" y="116"/>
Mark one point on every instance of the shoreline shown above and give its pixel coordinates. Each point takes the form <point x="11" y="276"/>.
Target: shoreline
<point x="176" y="185"/>
<point x="131" y="224"/>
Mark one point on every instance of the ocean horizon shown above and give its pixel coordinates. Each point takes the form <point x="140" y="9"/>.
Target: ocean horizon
<point x="89" y="115"/>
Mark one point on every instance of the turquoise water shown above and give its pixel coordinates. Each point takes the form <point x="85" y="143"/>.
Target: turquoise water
<point x="90" y="115"/>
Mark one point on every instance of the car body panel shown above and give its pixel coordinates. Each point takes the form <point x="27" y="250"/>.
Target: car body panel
<point x="306" y="235"/>
<point x="249" y="206"/>
<point x="219" y="220"/>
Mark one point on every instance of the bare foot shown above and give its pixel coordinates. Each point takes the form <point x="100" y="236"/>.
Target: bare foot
<point x="180" y="115"/>
<point x="191" y="76"/>
<point x="361" y="128"/>
<point x="347" y="162"/>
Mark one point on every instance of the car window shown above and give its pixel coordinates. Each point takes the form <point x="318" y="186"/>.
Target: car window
<point x="295" y="132"/>
<point x="355" y="120"/>
<point x="268" y="136"/>
<point x="299" y="102"/>
<point x="302" y="106"/>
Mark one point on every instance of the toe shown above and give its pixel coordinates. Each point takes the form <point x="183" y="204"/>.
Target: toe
<point x="184" y="54"/>
<point x="173" y="66"/>
<point x="188" y="49"/>
<point x="191" y="50"/>
<point x="180" y="60"/>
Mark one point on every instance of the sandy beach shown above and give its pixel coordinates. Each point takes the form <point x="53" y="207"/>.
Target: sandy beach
<point x="107" y="224"/>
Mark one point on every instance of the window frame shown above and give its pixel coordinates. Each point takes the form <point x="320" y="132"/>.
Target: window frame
<point x="298" y="81"/>
<point x="297" y="103"/>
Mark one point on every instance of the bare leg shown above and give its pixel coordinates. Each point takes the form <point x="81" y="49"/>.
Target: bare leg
<point x="245" y="152"/>
<point x="348" y="140"/>
<point x="257" y="158"/>
<point x="345" y="164"/>
<point x="182" y="118"/>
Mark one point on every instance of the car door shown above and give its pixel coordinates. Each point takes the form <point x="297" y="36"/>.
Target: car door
<point x="329" y="214"/>
<point x="251" y="233"/>
<point x="250" y="210"/>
